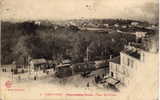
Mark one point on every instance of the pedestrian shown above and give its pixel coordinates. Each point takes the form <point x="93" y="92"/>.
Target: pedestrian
<point x="103" y="75"/>
<point x="19" y="77"/>
<point x="98" y="79"/>
<point x="95" y="78"/>
<point x="35" y="77"/>
<point x="88" y="85"/>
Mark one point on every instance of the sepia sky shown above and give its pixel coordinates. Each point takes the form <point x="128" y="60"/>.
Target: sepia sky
<point x="71" y="9"/>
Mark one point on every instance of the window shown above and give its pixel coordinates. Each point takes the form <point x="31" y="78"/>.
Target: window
<point x="127" y="73"/>
<point x="111" y="74"/>
<point x="110" y="64"/>
<point x="116" y="67"/>
<point x="143" y="56"/>
<point x="132" y="63"/>
<point x="124" y="72"/>
<point x="128" y="62"/>
<point x="123" y="60"/>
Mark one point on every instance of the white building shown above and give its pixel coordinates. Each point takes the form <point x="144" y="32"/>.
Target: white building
<point x="116" y="25"/>
<point x="134" y="23"/>
<point x="140" y="34"/>
<point x="131" y="59"/>
<point x="37" y="64"/>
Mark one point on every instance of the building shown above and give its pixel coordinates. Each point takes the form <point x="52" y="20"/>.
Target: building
<point x="39" y="68"/>
<point x="38" y="64"/>
<point x="130" y="60"/>
<point x="124" y="26"/>
<point x="140" y="34"/>
<point x="100" y="63"/>
<point x="116" y="25"/>
<point x="106" y="25"/>
<point x="67" y="61"/>
<point x="37" y="23"/>
<point x="114" y="66"/>
<point x="134" y="23"/>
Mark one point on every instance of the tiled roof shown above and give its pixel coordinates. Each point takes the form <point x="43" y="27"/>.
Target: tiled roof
<point x="38" y="61"/>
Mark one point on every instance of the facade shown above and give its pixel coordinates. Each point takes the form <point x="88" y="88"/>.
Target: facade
<point x="122" y="68"/>
<point x="37" y="22"/>
<point x="39" y="68"/>
<point x="66" y="61"/>
<point x="37" y="64"/>
<point x="134" y="23"/>
<point x="100" y="63"/>
<point x="115" y="70"/>
<point x="140" y="34"/>
<point x="116" y="25"/>
<point x="124" y="26"/>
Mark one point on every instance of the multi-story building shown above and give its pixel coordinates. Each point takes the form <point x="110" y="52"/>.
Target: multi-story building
<point x="131" y="58"/>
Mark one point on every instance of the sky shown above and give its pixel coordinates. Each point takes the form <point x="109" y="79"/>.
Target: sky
<point x="74" y="9"/>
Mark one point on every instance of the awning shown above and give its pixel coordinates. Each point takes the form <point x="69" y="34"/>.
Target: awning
<point x="112" y="81"/>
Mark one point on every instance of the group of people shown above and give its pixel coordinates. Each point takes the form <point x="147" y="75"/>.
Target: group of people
<point x="97" y="79"/>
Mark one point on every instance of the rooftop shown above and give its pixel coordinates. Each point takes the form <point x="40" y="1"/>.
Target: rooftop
<point x="63" y="65"/>
<point x="38" y="61"/>
<point x="132" y="53"/>
<point x="66" y="61"/>
<point x="138" y="45"/>
<point x="115" y="60"/>
<point x="112" y="81"/>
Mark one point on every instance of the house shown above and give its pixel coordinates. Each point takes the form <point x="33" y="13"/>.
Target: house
<point x="140" y="34"/>
<point x="116" y="25"/>
<point x="37" y="23"/>
<point x="38" y="64"/>
<point x="66" y="61"/>
<point x="134" y="23"/>
<point x="100" y="63"/>
<point x="124" y="26"/>
<point x="113" y="64"/>
<point x="63" y="70"/>
<point x="121" y="68"/>
<point x="106" y="25"/>
<point x="39" y="68"/>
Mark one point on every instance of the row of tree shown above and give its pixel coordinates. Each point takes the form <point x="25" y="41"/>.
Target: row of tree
<point x="23" y="40"/>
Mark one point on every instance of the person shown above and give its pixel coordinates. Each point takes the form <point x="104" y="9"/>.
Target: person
<point x="95" y="78"/>
<point x="12" y="70"/>
<point x="88" y="84"/>
<point x="19" y="77"/>
<point x="103" y="75"/>
<point x="98" y="78"/>
<point x="5" y="70"/>
<point x="35" y="77"/>
<point x="22" y="70"/>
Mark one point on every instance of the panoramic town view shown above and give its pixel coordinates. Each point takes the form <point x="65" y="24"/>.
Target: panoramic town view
<point x="79" y="49"/>
<point x="101" y="53"/>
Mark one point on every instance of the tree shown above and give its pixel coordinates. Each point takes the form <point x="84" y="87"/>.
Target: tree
<point x="79" y="48"/>
<point x="21" y="52"/>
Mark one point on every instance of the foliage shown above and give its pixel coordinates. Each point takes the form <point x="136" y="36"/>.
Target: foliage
<point x="23" y="40"/>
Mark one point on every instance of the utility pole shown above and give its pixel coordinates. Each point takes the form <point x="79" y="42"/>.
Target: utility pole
<point x="87" y="55"/>
<point x="105" y="61"/>
<point x="54" y="51"/>
<point x="29" y="66"/>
